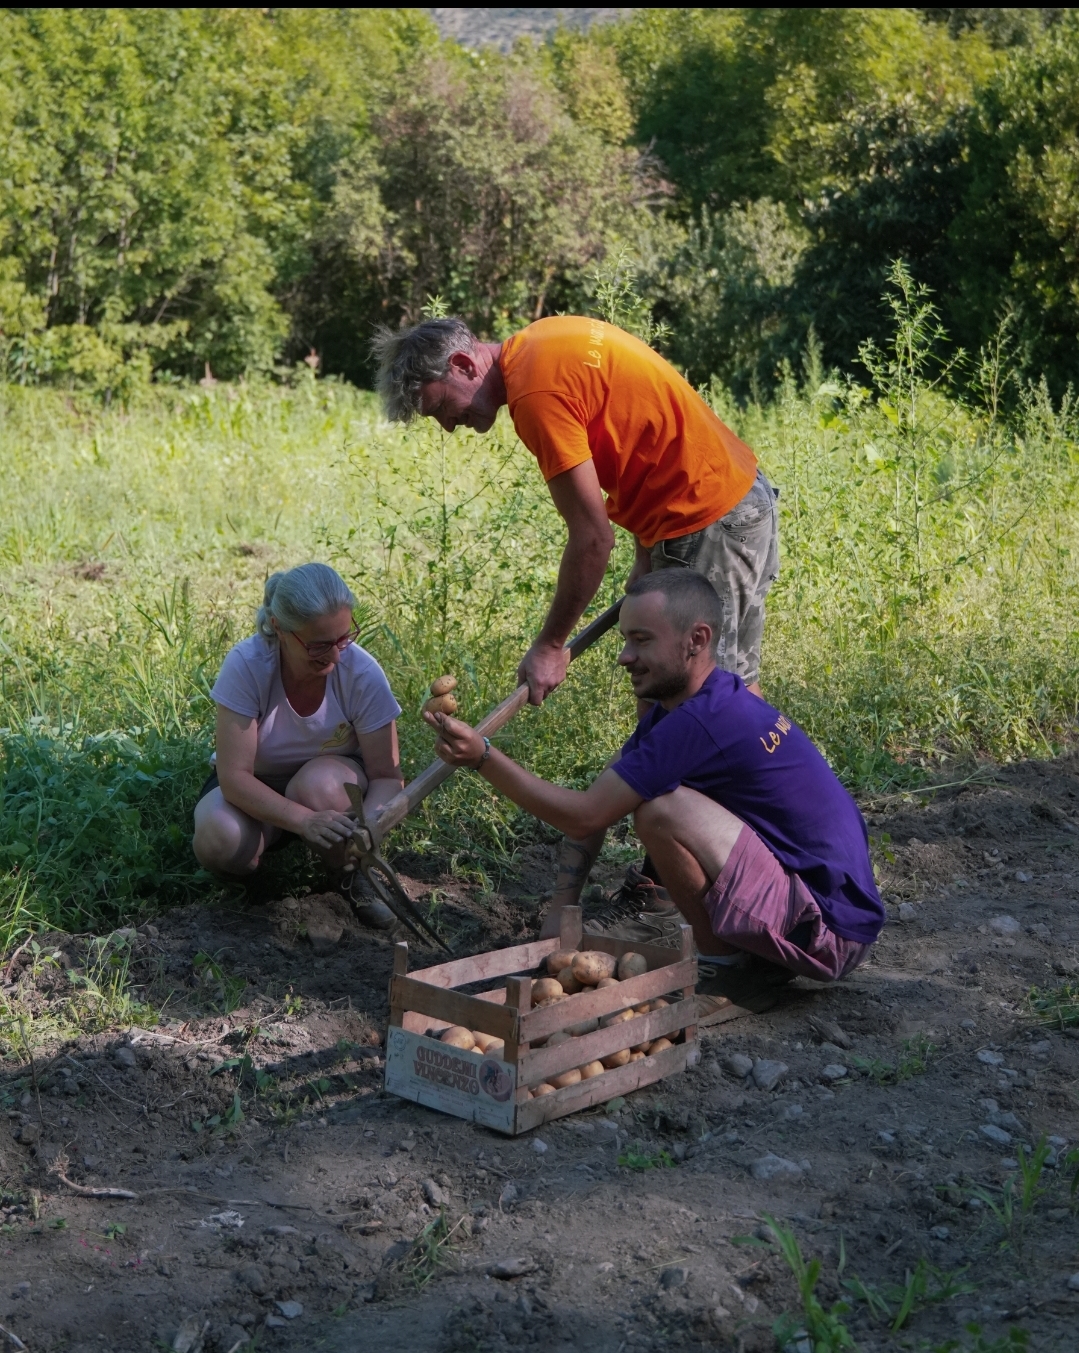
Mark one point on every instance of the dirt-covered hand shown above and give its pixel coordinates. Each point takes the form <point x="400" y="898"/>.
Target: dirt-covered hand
<point x="327" y="829"/>
<point x="458" y="744"/>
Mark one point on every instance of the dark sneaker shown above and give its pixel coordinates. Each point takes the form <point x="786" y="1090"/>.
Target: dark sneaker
<point x="366" y="908"/>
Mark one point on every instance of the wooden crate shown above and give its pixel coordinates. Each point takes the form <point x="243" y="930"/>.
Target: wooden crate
<point x="494" y="1092"/>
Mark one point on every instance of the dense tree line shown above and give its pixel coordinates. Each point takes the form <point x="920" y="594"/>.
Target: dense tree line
<point x="241" y="187"/>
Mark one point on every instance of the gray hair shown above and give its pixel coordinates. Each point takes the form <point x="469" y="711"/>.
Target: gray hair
<point x="412" y="357"/>
<point x="306" y="592"/>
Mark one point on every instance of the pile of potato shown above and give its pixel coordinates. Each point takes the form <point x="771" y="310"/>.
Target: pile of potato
<point x="572" y="971"/>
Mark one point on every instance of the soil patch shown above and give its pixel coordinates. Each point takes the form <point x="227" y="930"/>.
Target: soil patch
<point x="282" y="1197"/>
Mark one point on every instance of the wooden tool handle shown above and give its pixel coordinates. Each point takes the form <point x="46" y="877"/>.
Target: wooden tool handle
<point x="438" y="772"/>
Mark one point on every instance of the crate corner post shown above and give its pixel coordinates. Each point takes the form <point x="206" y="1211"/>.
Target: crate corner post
<point x="400" y="969"/>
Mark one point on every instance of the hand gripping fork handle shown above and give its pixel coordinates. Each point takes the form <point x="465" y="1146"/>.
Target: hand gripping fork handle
<point x="368" y="837"/>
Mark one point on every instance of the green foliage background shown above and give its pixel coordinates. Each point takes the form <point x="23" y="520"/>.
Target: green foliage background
<point x="240" y="187"/>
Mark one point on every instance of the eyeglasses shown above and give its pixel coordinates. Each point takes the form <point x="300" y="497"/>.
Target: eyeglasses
<point x="322" y="648"/>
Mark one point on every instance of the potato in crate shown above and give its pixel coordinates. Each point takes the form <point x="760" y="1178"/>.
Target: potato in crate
<point x="573" y="1022"/>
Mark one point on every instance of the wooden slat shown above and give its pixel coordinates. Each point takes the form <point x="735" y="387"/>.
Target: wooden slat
<point x="495" y="963"/>
<point x="487" y="1016"/>
<point x="599" y="1001"/>
<point x="622" y="1081"/>
<point x="543" y="1063"/>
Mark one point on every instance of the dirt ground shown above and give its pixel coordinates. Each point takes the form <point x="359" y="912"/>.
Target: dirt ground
<point x="278" y="1196"/>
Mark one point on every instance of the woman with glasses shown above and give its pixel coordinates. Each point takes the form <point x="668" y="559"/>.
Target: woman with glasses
<point x="302" y="711"/>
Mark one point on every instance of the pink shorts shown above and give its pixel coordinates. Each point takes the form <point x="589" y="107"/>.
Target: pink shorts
<point x="756" y="904"/>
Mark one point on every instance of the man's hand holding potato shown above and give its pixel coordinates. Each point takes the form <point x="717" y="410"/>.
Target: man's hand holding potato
<point x="458" y="744"/>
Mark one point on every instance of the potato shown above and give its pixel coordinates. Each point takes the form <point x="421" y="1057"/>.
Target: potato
<point x="544" y="1088"/>
<point x="443" y="685"/>
<point x="640" y="1047"/>
<point x="559" y="1036"/>
<point x="546" y="989"/>
<point x="607" y="982"/>
<point x="496" y="1049"/>
<point x="531" y="1095"/>
<point x="642" y="1009"/>
<point x="591" y="1069"/>
<point x="441" y="704"/>
<point x="592" y="965"/>
<point x="457" y="1036"/>
<point x="619" y="1017"/>
<point x="586" y="1026"/>
<point x="660" y="1004"/>
<point x="660" y="1045"/>
<point x="636" y="1056"/>
<point x="483" y="1041"/>
<point x="561" y="958"/>
<point x="567" y="981"/>
<point x="631" y="965"/>
<point x="570" y="1077"/>
<point x="616" y="1059"/>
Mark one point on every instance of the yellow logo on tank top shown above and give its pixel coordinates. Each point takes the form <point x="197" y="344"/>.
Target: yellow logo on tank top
<point x="340" y="737"/>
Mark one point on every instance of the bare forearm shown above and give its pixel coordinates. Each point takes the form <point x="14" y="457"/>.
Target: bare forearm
<point x="580" y="574"/>
<point x="568" y="810"/>
<point x="259" y="801"/>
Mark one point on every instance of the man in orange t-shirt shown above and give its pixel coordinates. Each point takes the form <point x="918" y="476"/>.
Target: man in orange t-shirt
<point x="604" y="415"/>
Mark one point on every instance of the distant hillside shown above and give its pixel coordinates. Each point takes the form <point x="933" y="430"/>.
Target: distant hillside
<point x="502" y="27"/>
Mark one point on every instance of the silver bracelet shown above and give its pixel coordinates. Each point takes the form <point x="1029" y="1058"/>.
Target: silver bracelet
<point x="486" y="753"/>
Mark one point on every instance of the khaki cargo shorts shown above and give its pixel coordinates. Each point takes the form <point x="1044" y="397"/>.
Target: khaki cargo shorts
<point x="739" y="555"/>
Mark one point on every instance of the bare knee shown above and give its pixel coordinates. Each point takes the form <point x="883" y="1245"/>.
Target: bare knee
<point x="320" y="784"/>
<point x="656" y="815"/>
<point x="219" y="845"/>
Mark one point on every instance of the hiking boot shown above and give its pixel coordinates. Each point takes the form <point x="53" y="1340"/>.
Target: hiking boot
<point x="640" y="911"/>
<point x="366" y="908"/>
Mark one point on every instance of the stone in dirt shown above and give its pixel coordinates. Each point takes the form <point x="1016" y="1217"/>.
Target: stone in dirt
<point x="675" y="1276"/>
<point x="539" y="1146"/>
<point x="511" y="1268"/>
<point x="831" y="1033"/>
<point x="323" y="927"/>
<point x="30" y="1134"/>
<point x="989" y="1058"/>
<point x="433" y="1193"/>
<point x="125" y="1057"/>
<point x="1073" y="1282"/>
<point x="275" y="1322"/>
<point x="1005" y="925"/>
<point x="833" y="1072"/>
<point x="768" y="1074"/>
<point x="907" y="911"/>
<point x="508" y="1196"/>
<point x="191" y="1335"/>
<point x="290" y="1309"/>
<point x="738" y="1065"/>
<point x="995" y="1134"/>
<point x="772" y="1166"/>
<point x="253" y="1278"/>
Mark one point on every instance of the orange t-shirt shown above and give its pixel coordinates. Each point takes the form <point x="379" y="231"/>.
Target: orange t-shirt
<point x="580" y="388"/>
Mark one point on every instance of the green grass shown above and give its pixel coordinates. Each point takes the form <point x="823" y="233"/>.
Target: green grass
<point x="925" y="612"/>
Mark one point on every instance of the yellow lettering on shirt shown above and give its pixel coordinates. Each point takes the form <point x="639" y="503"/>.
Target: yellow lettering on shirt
<point x="773" y="739"/>
<point x="340" y="737"/>
<point x="595" y="337"/>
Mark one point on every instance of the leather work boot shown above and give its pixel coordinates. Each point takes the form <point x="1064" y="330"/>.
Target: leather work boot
<point x="366" y="908"/>
<point x="640" y="910"/>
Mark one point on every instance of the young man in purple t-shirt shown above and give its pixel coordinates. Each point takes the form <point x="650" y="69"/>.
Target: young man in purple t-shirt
<point x="761" y="848"/>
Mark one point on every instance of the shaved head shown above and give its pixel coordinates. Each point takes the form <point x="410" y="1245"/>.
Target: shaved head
<point x="689" y="598"/>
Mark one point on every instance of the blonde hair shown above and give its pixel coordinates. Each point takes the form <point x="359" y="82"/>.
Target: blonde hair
<point x="304" y="593"/>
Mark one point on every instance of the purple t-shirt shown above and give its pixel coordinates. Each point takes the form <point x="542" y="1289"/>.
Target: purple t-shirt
<point x="730" y="745"/>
